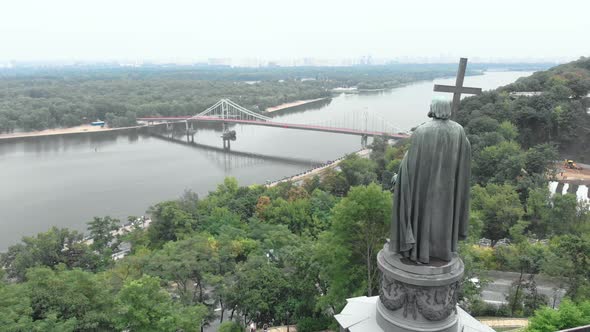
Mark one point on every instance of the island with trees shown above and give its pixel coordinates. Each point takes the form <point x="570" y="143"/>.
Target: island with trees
<point x="38" y="99"/>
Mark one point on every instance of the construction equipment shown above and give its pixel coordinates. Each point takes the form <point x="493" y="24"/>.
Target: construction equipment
<point x="568" y="163"/>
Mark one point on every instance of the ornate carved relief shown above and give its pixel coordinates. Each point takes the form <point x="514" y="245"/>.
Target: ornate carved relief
<point x="433" y="303"/>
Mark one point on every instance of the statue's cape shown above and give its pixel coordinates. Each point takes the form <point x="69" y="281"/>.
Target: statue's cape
<point x="431" y="199"/>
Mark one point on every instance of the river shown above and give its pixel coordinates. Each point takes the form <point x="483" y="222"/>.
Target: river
<point x="66" y="180"/>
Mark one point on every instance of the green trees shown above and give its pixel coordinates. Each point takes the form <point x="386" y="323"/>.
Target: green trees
<point x="15" y="308"/>
<point x="126" y="120"/>
<point x="508" y="131"/>
<point x="321" y="204"/>
<point x="357" y="170"/>
<point x="538" y="207"/>
<point x="387" y="159"/>
<point x="335" y="183"/>
<point x="540" y="158"/>
<point x="498" y="163"/>
<point x="499" y="208"/>
<point x="556" y="115"/>
<point x="567" y="216"/>
<point x="568" y="315"/>
<point x="482" y="124"/>
<point x="556" y="215"/>
<point x="230" y="327"/>
<point x="143" y="306"/>
<point x="261" y="290"/>
<point x="58" y="300"/>
<point x="569" y="258"/>
<point x="540" y="215"/>
<point x="74" y="296"/>
<point x="103" y="241"/>
<point x="295" y="214"/>
<point x="169" y="222"/>
<point x="56" y="246"/>
<point x="523" y="297"/>
<point x="188" y="264"/>
<point x="360" y="225"/>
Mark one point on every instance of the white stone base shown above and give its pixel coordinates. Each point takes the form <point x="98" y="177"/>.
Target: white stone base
<point x="360" y="315"/>
<point x="396" y="322"/>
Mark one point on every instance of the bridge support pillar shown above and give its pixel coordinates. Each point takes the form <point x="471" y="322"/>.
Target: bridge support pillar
<point x="169" y="129"/>
<point x="364" y="140"/>
<point x="228" y="136"/>
<point x="190" y="132"/>
<point x="190" y="137"/>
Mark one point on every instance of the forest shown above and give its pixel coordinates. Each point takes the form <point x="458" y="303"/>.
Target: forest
<point x="292" y="254"/>
<point x="558" y="114"/>
<point x="41" y="99"/>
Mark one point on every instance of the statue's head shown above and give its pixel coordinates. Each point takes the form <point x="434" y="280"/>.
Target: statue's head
<point x="440" y="109"/>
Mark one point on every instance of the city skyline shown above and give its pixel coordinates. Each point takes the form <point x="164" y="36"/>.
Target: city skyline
<point x="284" y="62"/>
<point x="179" y="31"/>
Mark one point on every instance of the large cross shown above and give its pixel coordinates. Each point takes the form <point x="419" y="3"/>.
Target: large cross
<point x="458" y="88"/>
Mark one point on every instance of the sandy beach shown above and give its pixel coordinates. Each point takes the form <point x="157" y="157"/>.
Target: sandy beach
<point x="292" y="104"/>
<point x="62" y="131"/>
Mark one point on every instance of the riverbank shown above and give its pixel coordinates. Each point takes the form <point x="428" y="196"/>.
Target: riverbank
<point x="64" y="131"/>
<point x="293" y="104"/>
<point x="317" y="170"/>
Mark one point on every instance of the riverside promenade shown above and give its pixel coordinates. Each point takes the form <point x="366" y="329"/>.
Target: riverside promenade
<point x="318" y="170"/>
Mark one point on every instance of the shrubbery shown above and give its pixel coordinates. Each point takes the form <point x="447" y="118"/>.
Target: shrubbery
<point x="230" y="327"/>
<point x="567" y="316"/>
<point x="314" y="324"/>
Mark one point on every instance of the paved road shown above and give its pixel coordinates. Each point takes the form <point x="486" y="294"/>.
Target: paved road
<point x="364" y="153"/>
<point x="495" y="292"/>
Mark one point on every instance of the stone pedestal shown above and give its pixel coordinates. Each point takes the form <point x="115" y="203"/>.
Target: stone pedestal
<point x="360" y="315"/>
<point x="412" y="298"/>
<point x="417" y="297"/>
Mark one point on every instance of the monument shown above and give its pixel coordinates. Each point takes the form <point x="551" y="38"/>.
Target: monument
<point x="421" y="272"/>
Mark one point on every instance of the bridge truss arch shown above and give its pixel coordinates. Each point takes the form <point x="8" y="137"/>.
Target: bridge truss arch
<point x="227" y="109"/>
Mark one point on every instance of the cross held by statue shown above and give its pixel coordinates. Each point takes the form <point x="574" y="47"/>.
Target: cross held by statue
<point x="458" y="88"/>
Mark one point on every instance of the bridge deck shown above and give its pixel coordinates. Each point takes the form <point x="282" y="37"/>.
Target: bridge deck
<point x="337" y="130"/>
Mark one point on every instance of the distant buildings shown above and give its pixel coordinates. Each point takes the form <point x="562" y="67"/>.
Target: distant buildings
<point x="219" y="62"/>
<point x="252" y="62"/>
<point x="8" y="64"/>
<point x="526" y="93"/>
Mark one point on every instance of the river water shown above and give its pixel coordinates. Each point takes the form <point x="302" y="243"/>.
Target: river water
<point x="66" y="180"/>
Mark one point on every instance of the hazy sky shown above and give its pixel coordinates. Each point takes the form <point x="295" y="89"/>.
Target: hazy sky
<point x="190" y="30"/>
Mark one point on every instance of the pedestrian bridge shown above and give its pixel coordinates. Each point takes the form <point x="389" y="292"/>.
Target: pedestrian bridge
<point x="285" y="125"/>
<point x="227" y="112"/>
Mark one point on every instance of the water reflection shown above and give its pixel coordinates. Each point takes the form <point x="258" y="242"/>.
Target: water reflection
<point x="239" y="157"/>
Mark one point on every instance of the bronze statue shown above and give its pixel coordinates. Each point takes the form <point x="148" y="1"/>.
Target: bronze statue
<point x="431" y="197"/>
